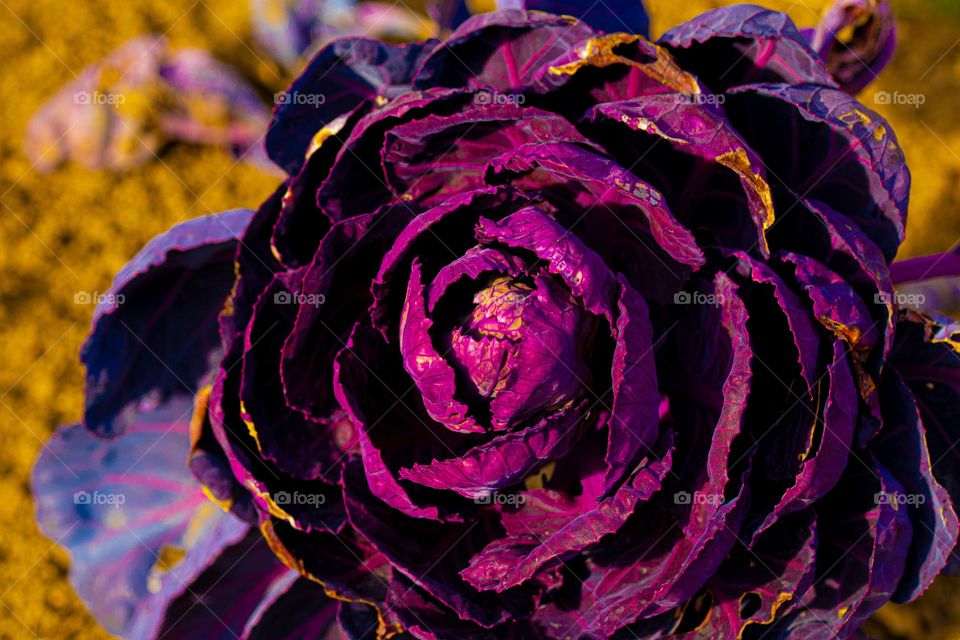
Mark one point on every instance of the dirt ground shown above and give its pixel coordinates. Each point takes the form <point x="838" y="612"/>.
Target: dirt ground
<point x="71" y="230"/>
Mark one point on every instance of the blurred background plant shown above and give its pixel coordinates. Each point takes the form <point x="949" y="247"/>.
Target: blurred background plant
<point x="184" y="143"/>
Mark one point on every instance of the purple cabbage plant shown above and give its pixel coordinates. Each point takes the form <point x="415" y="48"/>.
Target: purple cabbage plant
<point x="122" y="111"/>
<point x="551" y="331"/>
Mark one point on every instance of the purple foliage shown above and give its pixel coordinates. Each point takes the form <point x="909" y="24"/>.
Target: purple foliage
<point x="549" y="333"/>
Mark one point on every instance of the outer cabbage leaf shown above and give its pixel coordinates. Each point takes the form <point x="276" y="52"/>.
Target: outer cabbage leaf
<point x="214" y="599"/>
<point x="757" y="585"/>
<point x="742" y="44"/>
<point x="930" y="284"/>
<point x="927" y="357"/>
<point x="180" y="95"/>
<point x="125" y="509"/>
<point x="856" y="39"/>
<point x="705" y="135"/>
<point x="902" y="448"/>
<point x="851" y="159"/>
<point x="155" y="330"/>
<point x="505" y="50"/>
<point x="861" y="553"/>
<point x="293" y="608"/>
<point x="339" y="78"/>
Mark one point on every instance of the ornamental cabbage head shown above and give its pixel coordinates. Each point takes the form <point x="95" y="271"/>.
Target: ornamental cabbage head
<point x="551" y="331"/>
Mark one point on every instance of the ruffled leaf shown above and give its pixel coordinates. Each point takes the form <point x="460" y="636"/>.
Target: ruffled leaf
<point x="505" y="459"/>
<point x="505" y="50"/>
<point x="705" y="134"/>
<point x="580" y="522"/>
<point x="856" y="39"/>
<point x="927" y="357"/>
<point x="851" y="159"/>
<point x="119" y="112"/>
<point x="902" y="447"/>
<point x="741" y="44"/>
<point x="340" y="77"/>
<point x="136" y="524"/>
<point x="155" y="331"/>
<point x="430" y="553"/>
